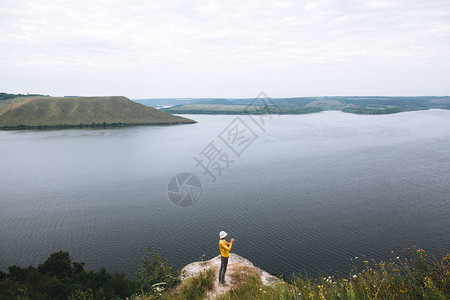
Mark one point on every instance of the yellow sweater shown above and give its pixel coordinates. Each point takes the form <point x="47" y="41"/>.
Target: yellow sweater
<point x="224" y="248"/>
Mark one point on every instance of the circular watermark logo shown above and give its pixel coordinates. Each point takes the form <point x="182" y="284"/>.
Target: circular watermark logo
<point x="184" y="189"/>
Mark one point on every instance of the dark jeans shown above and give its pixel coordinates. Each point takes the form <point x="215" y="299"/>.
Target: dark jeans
<point x="223" y="268"/>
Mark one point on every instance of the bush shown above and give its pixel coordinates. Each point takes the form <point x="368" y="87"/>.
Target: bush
<point x="56" y="278"/>
<point x="58" y="264"/>
<point x="155" y="272"/>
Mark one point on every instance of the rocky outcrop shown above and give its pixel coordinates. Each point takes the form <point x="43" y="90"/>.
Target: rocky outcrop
<point x="234" y="261"/>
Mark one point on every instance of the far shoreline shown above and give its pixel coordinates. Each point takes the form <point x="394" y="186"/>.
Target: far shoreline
<point x="89" y="126"/>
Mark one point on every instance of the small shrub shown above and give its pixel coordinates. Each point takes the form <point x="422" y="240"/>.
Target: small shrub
<point x="154" y="272"/>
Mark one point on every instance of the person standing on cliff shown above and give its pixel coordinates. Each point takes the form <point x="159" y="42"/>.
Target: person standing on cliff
<point x="224" y="248"/>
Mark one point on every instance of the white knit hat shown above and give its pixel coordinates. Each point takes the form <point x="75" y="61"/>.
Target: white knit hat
<point x="222" y="234"/>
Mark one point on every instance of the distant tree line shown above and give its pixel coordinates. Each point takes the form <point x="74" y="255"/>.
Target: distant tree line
<point x="81" y="125"/>
<point x="284" y="110"/>
<point x="6" y="96"/>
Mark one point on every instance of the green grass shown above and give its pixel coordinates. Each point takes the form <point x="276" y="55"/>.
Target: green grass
<point x="52" y="112"/>
<point x="414" y="275"/>
<point x="408" y="276"/>
<point x="193" y="288"/>
<point x="248" y="285"/>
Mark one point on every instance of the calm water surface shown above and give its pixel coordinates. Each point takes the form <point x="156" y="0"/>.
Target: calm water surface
<point x="309" y="194"/>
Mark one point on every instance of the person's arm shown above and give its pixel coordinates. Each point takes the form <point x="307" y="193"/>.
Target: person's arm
<point x="227" y="246"/>
<point x="230" y="244"/>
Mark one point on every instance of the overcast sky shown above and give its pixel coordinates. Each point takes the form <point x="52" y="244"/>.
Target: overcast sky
<point x="151" y="49"/>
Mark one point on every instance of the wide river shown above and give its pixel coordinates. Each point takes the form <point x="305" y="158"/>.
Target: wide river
<point x="307" y="193"/>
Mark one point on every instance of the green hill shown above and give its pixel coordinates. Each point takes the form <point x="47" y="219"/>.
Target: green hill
<point x="68" y="112"/>
<point x="303" y="105"/>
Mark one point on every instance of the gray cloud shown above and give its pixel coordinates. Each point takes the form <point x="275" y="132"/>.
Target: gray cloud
<point x="225" y="48"/>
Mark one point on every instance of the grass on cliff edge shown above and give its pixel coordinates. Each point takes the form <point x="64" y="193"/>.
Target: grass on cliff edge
<point x="414" y="275"/>
<point x="193" y="288"/>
